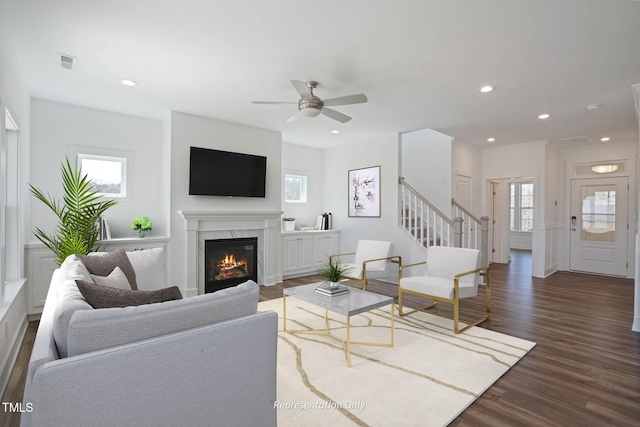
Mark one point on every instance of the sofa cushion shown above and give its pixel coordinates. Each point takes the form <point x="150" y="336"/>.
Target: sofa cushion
<point x="69" y="301"/>
<point x="106" y="297"/>
<point x="104" y="265"/>
<point x="105" y="328"/>
<point x="117" y="279"/>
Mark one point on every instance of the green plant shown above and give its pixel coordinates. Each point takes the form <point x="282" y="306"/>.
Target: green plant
<point x="142" y="223"/>
<point x="77" y="231"/>
<point x="334" y="270"/>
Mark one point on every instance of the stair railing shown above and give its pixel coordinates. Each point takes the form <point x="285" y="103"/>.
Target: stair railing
<point x="421" y="220"/>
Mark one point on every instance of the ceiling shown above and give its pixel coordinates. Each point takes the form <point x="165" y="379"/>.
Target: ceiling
<point x="420" y="63"/>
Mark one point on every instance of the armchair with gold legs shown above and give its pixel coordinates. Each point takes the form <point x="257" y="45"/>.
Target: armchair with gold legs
<point x="451" y="274"/>
<point x="371" y="260"/>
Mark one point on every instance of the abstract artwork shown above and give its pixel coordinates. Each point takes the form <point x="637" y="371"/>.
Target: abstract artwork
<point x="364" y="192"/>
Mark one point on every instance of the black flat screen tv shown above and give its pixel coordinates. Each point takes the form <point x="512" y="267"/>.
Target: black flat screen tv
<point x="223" y="173"/>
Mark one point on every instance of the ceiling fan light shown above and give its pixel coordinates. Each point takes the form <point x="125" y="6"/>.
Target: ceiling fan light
<point x="604" y="168"/>
<point x="310" y="112"/>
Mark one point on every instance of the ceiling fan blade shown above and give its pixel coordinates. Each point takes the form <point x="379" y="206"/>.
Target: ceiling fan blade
<point x="295" y="117"/>
<point x="342" y="118"/>
<point x="301" y="88"/>
<point x="345" y="100"/>
<point x="271" y="102"/>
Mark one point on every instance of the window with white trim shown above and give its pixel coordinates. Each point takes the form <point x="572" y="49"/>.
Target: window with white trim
<point x="521" y="206"/>
<point x="295" y="188"/>
<point x="107" y="173"/>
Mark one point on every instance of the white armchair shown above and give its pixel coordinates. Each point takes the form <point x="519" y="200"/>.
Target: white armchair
<point x="450" y="275"/>
<point x="372" y="258"/>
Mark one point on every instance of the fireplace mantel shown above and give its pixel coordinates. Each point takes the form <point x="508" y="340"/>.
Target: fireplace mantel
<point x="203" y="225"/>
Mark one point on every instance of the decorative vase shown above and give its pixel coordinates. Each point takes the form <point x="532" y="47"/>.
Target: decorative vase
<point x="289" y="225"/>
<point x="334" y="285"/>
<point x="141" y="232"/>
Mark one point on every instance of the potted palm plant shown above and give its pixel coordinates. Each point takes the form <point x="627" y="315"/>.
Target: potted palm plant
<point x="78" y="215"/>
<point x="333" y="271"/>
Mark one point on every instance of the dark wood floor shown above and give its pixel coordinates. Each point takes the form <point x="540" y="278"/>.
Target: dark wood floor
<point x="584" y="370"/>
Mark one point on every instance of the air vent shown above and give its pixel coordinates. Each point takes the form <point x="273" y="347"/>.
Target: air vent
<point x="66" y="61"/>
<point x="576" y="139"/>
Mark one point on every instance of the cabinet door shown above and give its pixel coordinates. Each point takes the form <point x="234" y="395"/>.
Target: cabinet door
<point x="305" y="252"/>
<point x="290" y="253"/>
<point x="40" y="264"/>
<point x="325" y="246"/>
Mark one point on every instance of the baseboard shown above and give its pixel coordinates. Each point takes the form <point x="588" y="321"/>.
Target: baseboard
<point x="550" y="270"/>
<point x="7" y="367"/>
<point x="636" y="324"/>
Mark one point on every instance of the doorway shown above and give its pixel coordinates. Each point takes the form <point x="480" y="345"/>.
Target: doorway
<point x="599" y="225"/>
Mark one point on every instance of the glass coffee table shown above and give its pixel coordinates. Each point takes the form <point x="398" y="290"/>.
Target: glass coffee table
<point x="350" y="304"/>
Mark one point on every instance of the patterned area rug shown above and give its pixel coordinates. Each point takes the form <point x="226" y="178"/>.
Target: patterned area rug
<point x="427" y="379"/>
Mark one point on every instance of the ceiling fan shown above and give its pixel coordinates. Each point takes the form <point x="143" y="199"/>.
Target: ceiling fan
<point x="312" y="106"/>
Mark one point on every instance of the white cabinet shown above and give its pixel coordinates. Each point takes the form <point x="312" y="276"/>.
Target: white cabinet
<point x="324" y="246"/>
<point x="297" y="251"/>
<point x="303" y="252"/>
<point x="40" y="264"/>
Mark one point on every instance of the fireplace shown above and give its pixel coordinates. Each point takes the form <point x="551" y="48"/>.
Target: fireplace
<point x="229" y="262"/>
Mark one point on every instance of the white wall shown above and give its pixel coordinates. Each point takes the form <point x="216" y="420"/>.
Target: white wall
<point x="298" y="159"/>
<point x="338" y="161"/>
<point x="189" y="130"/>
<point x="426" y="166"/>
<point x="58" y="129"/>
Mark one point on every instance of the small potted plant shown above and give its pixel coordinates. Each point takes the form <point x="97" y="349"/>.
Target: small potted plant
<point x="141" y="225"/>
<point x="333" y="271"/>
<point x="288" y="224"/>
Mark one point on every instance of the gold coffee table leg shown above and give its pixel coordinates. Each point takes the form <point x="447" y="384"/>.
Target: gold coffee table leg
<point x="284" y="312"/>
<point x="348" y="343"/>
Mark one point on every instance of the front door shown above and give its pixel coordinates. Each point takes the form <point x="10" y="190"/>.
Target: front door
<point x="598" y="223"/>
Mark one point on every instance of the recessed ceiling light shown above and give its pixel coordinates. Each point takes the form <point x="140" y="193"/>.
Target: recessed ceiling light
<point x="605" y="139"/>
<point x="129" y="83"/>
<point x="335" y="131"/>
<point x="486" y="89"/>
<point x="491" y="139"/>
<point x="544" y="116"/>
<point x="592" y="107"/>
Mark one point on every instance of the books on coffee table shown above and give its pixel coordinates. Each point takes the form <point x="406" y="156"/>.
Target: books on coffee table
<point x="327" y="290"/>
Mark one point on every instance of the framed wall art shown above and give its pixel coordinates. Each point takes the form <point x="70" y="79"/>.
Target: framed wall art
<point x="364" y="192"/>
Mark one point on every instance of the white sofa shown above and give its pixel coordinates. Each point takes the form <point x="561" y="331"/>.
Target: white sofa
<point x="206" y="360"/>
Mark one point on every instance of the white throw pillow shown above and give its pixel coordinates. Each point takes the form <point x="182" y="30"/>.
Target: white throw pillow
<point x="150" y="268"/>
<point x="117" y="279"/>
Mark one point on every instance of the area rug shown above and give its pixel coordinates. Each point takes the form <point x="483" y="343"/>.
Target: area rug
<point x="427" y="379"/>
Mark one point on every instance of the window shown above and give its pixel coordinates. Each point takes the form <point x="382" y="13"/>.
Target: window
<point x="295" y="188"/>
<point x="108" y="174"/>
<point x="521" y="206"/>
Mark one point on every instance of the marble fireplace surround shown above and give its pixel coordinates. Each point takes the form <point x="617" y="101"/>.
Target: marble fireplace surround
<point x="209" y="225"/>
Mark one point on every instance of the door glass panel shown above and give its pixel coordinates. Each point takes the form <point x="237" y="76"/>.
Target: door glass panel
<point x="598" y="213"/>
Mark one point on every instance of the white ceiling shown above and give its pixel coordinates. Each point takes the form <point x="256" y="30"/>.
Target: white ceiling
<point x="420" y="63"/>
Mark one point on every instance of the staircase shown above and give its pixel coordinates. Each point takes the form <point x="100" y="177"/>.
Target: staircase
<point x="428" y="226"/>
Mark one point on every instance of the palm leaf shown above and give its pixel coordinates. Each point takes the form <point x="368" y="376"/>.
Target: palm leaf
<point x="77" y="232"/>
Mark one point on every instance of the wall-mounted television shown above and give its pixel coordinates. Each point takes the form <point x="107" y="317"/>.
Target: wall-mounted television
<point x="223" y="173"/>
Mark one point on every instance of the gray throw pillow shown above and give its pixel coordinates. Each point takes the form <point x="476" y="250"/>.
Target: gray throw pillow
<point x="106" y="297"/>
<point x="104" y="265"/>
